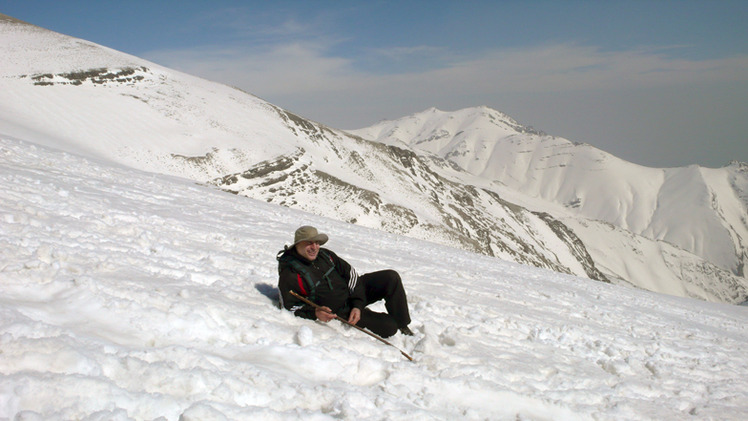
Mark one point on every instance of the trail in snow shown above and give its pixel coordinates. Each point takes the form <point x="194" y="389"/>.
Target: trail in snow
<point x="129" y="295"/>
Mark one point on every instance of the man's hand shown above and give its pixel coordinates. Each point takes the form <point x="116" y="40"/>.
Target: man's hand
<point x="355" y="316"/>
<point x="324" y="314"/>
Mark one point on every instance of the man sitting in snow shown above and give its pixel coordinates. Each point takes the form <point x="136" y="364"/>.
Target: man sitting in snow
<point x="330" y="282"/>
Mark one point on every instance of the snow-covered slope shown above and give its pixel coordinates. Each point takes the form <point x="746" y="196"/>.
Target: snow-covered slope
<point x="127" y="295"/>
<point x="80" y="97"/>
<point x="84" y="97"/>
<point x="152" y="118"/>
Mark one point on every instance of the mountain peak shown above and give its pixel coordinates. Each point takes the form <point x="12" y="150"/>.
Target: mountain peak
<point x="434" y="126"/>
<point x="468" y="136"/>
<point x="30" y="49"/>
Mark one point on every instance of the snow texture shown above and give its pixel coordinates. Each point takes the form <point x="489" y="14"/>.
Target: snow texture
<point x="130" y="295"/>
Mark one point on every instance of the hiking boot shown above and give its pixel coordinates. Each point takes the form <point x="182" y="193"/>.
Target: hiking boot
<point x="406" y="331"/>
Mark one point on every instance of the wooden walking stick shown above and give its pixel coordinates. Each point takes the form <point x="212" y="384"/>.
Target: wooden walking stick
<point x="351" y="324"/>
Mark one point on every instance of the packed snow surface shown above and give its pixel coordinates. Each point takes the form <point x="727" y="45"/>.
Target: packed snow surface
<point x="131" y="295"/>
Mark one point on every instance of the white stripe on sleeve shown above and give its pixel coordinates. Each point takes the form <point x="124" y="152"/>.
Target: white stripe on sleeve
<point x="353" y="279"/>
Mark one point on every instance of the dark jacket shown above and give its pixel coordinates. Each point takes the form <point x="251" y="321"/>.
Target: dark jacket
<point x="327" y="281"/>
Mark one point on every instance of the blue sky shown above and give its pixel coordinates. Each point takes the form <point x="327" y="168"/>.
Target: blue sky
<point x="661" y="83"/>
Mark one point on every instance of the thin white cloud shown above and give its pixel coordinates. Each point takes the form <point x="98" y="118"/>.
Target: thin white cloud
<point x="289" y="68"/>
<point x="409" y="53"/>
<point x="306" y="69"/>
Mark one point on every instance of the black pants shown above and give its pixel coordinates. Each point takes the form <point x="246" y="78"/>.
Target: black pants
<point x="384" y="285"/>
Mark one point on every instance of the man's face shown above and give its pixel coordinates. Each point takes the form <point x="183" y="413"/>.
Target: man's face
<point x="308" y="249"/>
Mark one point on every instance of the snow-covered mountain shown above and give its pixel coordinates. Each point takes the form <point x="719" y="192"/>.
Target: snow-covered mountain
<point x="77" y="96"/>
<point x="698" y="209"/>
<point x="128" y="295"/>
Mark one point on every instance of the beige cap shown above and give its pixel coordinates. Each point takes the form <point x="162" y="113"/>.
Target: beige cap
<point x="307" y="233"/>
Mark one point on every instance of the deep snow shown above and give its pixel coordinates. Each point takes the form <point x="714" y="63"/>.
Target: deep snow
<point x="131" y="295"/>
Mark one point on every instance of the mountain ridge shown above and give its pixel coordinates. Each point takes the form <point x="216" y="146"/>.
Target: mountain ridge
<point x="138" y="114"/>
<point x="636" y="198"/>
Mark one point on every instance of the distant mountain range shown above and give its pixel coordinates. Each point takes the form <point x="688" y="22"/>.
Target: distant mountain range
<point x="473" y="178"/>
<point x="700" y="210"/>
